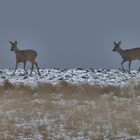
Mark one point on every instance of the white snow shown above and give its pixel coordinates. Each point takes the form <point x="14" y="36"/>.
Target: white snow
<point x="75" y="76"/>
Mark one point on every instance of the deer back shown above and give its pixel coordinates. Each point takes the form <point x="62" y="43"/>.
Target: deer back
<point x="132" y="54"/>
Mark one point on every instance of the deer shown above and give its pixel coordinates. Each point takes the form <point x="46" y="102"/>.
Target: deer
<point x="22" y="56"/>
<point x="128" y="55"/>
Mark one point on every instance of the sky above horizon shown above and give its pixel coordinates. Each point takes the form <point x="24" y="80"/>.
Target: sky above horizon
<point x="69" y="33"/>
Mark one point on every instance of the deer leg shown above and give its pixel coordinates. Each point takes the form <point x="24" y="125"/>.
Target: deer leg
<point x="37" y="68"/>
<point x="122" y="65"/>
<point x="15" y="68"/>
<point x="24" y="68"/>
<point x="129" y="66"/>
<point x="32" y="68"/>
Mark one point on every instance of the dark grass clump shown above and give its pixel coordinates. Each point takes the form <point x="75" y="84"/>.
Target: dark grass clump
<point x="8" y="85"/>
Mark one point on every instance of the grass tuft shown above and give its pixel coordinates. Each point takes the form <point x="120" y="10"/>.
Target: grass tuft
<point x="8" y="85"/>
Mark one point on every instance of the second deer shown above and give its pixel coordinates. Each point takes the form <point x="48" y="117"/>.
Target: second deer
<point x="127" y="55"/>
<point x="22" y="56"/>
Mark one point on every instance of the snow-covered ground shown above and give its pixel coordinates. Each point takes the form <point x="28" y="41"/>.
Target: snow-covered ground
<point x="75" y="76"/>
<point x="32" y="114"/>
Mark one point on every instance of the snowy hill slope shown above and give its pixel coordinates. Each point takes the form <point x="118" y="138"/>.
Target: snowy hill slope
<point x="75" y="76"/>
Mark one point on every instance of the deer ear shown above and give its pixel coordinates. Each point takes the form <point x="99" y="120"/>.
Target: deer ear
<point x="16" y="42"/>
<point x="119" y="42"/>
<point x="115" y="43"/>
<point x="11" y="42"/>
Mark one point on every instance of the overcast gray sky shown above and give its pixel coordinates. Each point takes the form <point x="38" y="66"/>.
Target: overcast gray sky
<point x="69" y="33"/>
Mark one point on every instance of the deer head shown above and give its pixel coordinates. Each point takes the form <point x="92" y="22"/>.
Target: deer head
<point x="117" y="46"/>
<point x="13" y="46"/>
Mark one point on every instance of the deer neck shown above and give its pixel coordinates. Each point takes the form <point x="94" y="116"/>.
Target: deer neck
<point x="121" y="52"/>
<point x="16" y="51"/>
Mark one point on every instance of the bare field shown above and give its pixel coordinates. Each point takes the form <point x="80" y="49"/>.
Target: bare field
<point x="69" y="112"/>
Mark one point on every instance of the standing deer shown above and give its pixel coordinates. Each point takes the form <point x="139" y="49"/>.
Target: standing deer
<point x="127" y="55"/>
<point x="22" y="56"/>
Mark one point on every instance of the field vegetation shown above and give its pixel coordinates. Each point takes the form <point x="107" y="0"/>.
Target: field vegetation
<point x="69" y="112"/>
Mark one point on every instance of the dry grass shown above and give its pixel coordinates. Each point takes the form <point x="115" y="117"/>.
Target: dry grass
<point x="66" y="111"/>
<point x="87" y="89"/>
<point x="68" y="88"/>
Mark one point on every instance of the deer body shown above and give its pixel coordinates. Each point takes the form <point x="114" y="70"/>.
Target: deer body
<point x="130" y="54"/>
<point x="22" y="56"/>
<point x="127" y="55"/>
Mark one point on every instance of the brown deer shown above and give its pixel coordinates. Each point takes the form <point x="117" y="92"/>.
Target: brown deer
<point x="22" y="56"/>
<point x="127" y="55"/>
